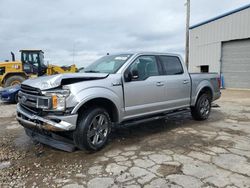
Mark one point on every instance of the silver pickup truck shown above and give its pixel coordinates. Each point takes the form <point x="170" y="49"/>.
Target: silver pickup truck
<point x="79" y="110"/>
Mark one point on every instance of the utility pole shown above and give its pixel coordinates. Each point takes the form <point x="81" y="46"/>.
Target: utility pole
<point x="74" y="52"/>
<point x="187" y="33"/>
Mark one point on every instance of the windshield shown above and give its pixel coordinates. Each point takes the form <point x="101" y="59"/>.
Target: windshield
<point x="107" y="64"/>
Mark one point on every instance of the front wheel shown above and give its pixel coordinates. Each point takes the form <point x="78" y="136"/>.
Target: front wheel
<point x="93" y="129"/>
<point x="202" y="108"/>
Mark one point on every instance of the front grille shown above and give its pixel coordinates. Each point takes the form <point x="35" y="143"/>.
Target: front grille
<point x="33" y="99"/>
<point x="30" y="109"/>
<point x="30" y="90"/>
<point x="27" y="99"/>
<point x="33" y="110"/>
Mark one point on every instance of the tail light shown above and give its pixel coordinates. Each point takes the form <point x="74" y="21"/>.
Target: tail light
<point x="219" y="82"/>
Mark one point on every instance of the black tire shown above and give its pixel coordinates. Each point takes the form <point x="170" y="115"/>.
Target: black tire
<point x="202" y="108"/>
<point x="16" y="98"/>
<point x="13" y="80"/>
<point x="85" y="135"/>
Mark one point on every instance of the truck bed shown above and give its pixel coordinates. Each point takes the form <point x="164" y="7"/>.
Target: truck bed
<point x="199" y="80"/>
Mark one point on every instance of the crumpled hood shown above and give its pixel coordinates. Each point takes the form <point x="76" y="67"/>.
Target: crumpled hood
<point x="49" y="82"/>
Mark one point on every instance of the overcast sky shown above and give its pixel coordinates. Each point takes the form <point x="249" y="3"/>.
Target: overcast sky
<point x="79" y="31"/>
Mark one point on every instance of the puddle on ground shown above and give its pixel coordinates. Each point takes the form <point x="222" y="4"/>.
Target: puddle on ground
<point x="166" y="170"/>
<point x="4" y="164"/>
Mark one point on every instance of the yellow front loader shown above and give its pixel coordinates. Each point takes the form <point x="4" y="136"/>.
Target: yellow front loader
<point x="31" y="65"/>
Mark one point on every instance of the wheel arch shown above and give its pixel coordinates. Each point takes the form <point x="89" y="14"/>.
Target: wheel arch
<point x="204" y="87"/>
<point x="206" y="90"/>
<point x="102" y="102"/>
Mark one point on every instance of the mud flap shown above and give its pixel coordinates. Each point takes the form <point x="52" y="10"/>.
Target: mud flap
<point x="54" y="141"/>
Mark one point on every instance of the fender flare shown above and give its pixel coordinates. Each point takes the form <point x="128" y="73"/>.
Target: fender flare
<point x="89" y="94"/>
<point x="199" y="88"/>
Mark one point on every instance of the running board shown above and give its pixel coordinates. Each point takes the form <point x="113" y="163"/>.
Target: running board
<point x="152" y="118"/>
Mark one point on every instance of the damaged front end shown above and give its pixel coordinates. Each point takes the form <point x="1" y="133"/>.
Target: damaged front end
<point x="45" y="117"/>
<point x="45" y="108"/>
<point x="51" y="139"/>
<point x="49" y="122"/>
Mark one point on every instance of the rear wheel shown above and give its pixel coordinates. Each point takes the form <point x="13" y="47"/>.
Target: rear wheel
<point x="93" y="129"/>
<point x="202" y="108"/>
<point x="13" y="80"/>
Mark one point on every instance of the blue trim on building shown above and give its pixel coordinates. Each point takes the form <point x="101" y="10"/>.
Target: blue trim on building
<point x="220" y="16"/>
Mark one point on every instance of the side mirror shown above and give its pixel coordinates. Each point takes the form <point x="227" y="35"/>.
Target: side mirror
<point x="134" y="74"/>
<point x="131" y="75"/>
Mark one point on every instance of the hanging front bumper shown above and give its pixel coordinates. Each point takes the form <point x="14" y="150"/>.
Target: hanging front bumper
<point x="50" y="122"/>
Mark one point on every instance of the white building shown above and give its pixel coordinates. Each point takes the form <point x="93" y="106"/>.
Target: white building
<point x="222" y="45"/>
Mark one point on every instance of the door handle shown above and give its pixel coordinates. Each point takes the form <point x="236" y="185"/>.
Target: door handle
<point x="185" y="81"/>
<point x="159" y="84"/>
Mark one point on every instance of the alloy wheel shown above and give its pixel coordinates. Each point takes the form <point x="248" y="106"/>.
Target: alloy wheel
<point x="98" y="130"/>
<point x="205" y="107"/>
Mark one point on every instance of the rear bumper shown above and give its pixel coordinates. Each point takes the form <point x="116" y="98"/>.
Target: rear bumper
<point x="216" y="95"/>
<point x="50" y="123"/>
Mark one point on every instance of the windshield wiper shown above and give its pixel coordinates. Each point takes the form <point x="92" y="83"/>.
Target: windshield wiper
<point x="92" y="71"/>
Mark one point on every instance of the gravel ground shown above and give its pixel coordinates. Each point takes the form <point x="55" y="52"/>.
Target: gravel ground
<point x="180" y="152"/>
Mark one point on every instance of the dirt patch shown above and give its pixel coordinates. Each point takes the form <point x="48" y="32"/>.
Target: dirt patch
<point x="221" y="143"/>
<point x="245" y="111"/>
<point x="243" y="119"/>
<point x="235" y="132"/>
<point x="166" y="170"/>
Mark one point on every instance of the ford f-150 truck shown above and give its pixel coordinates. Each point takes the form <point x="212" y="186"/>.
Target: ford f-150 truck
<point x="79" y="110"/>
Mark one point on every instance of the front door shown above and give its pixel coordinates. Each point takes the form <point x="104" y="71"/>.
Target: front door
<point x="144" y="94"/>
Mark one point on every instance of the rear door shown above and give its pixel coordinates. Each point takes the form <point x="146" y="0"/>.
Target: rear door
<point x="178" y="85"/>
<point x="145" y="94"/>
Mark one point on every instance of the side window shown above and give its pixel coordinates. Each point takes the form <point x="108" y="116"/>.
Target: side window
<point x="34" y="59"/>
<point x="145" y="66"/>
<point x="171" y="65"/>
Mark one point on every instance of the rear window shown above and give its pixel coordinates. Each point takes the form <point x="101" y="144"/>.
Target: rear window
<point x="171" y="65"/>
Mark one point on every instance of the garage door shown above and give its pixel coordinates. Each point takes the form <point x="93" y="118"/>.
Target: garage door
<point x="236" y="64"/>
